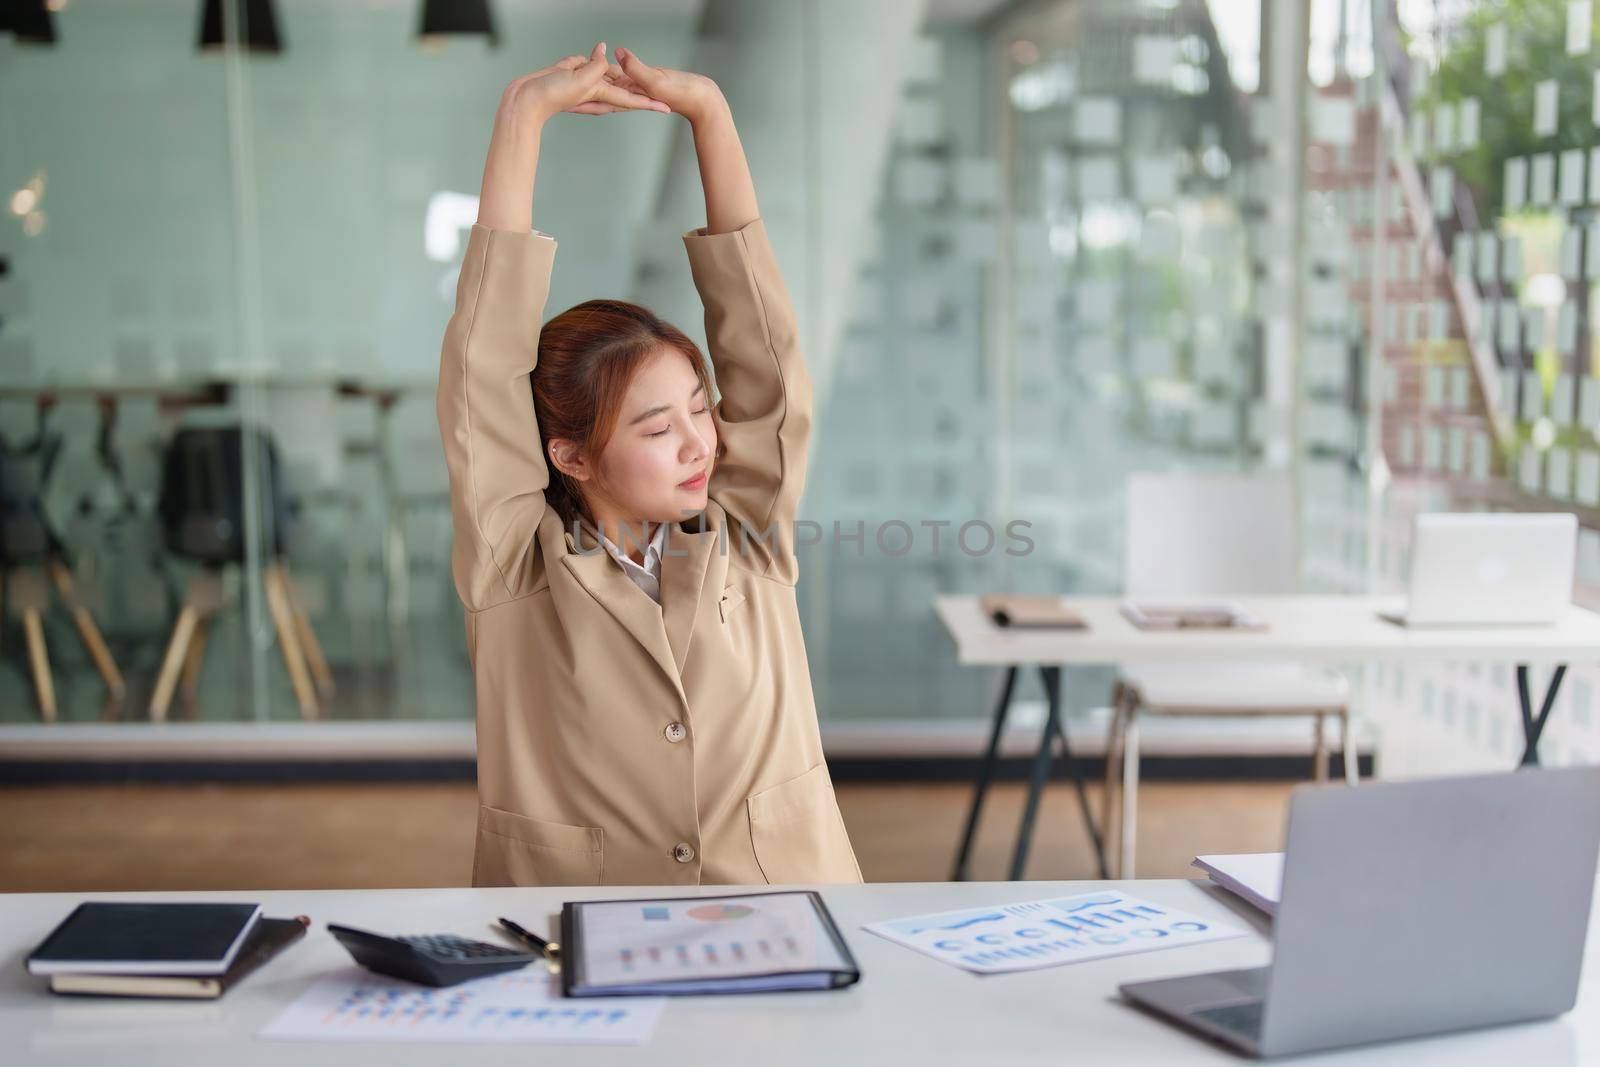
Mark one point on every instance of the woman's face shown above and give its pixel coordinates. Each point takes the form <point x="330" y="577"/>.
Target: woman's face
<point x="657" y="464"/>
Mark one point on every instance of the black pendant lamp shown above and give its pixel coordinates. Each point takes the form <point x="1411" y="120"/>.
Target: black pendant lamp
<point x="29" y="19"/>
<point x="457" y="18"/>
<point x="255" y="24"/>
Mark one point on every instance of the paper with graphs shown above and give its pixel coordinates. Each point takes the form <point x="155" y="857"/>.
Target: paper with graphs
<point x="524" y="1007"/>
<point x="1046" y="933"/>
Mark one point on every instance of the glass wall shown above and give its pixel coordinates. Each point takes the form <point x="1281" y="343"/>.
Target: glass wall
<point x="1023" y="239"/>
<point x="1490" y="112"/>
<point x="1131" y="333"/>
<point x="269" y="238"/>
<point x="121" y="317"/>
<point x="1137" y="325"/>
<point x="201" y="239"/>
<point x="1035" y="247"/>
<point x="904" y="487"/>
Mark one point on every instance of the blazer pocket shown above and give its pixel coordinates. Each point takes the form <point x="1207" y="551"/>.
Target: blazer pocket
<point x="799" y="834"/>
<point x="732" y="597"/>
<point x="513" y="849"/>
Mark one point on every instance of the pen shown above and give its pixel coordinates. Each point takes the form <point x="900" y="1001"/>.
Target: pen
<point x="549" y="949"/>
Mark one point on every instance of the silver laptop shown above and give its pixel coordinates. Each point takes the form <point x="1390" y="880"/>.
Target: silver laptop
<point x="1489" y="569"/>
<point x="1412" y="908"/>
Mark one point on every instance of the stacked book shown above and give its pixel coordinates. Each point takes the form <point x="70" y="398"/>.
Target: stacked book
<point x="195" y="951"/>
<point x="1190" y="615"/>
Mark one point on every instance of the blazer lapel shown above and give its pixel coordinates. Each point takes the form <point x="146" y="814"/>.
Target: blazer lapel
<point x="685" y="558"/>
<point x="631" y="606"/>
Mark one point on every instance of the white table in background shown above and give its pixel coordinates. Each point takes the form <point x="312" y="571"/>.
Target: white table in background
<point x="1325" y="629"/>
<point x="908" y="1009"/>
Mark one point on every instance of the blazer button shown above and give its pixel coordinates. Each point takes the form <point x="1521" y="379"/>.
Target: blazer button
<point x="675" y="732"/>
<point x="683" y="853"/>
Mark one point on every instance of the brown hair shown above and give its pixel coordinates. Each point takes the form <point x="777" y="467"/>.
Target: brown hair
<point x="588" y="355"/>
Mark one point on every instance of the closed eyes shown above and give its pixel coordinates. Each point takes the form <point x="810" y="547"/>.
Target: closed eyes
<point x="663" y="430"/>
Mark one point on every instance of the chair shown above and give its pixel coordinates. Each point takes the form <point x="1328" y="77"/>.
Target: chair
<point x="203" y="520"/>
<point x="1212" y="536"/>
<point x="27" y="540"/>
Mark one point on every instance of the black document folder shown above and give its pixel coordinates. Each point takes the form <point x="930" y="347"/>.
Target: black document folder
<point x="677" y="946"/>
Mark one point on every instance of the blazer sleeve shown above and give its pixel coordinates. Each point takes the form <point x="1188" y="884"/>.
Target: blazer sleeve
<point x="497" y="470"/>
<point x="763" y="418"/>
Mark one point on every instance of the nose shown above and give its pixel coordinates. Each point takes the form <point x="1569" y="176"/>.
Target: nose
<point x="695" y="445"/>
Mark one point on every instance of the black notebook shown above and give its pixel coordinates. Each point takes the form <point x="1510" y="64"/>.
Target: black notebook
<point x="170" y="939"/>
<point x="745" y="943"/>
<point x="268" y="938"/>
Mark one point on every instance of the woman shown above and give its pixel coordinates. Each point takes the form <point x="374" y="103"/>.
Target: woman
<point x="645" y="717"/>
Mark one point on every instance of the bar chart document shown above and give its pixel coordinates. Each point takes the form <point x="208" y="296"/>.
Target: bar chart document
<point x="1047" y="933"/>
<point x="523" y="1007"/>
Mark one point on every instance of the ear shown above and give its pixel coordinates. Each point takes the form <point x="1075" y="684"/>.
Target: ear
<point x="568" y="458"/>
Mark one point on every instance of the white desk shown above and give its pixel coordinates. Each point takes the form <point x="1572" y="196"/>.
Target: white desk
<point x="1328" y="629"/>
<point x="907" y="1008"/>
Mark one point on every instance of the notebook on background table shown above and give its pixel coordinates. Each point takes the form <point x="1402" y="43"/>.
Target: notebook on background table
<point x="1023" y="611"/>
<point x="1195" y="615"/>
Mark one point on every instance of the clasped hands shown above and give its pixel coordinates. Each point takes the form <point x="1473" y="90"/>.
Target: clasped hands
<point x="596" y="86"/>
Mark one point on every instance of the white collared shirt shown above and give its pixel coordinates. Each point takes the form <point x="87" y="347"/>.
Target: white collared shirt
<point x="646" y="576"/>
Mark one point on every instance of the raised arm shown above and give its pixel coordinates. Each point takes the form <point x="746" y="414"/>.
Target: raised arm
<point x="764" y="414"/>
<point x="485" y="404"/>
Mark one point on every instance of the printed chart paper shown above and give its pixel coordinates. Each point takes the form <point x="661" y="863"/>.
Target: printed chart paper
<point x="520" y="1007"/>
<point x="1046" y="933"/>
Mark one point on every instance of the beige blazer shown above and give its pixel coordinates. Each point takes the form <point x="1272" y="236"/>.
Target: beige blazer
<point x="621" y="742"/>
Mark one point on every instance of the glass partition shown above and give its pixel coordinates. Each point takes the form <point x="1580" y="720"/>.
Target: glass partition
<point x="1487" y="383"/>
<point x="120" y="327"/>
<point x="1035" y="248"/>
<point x="1133" y="326"/>
<point x="268" y="238"/>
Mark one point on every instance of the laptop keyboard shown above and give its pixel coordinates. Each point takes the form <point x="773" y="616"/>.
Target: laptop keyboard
<point x="1252" y="982"/>
<point x="1242" y="1019"/>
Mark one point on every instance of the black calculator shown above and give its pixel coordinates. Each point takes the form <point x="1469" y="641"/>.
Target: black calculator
<point x="431" y="959"/>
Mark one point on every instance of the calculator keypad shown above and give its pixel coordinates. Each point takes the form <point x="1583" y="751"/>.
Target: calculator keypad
<point x="450" y="947"/>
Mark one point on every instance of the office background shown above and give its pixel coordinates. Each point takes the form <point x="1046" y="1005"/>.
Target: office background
<point x="1035" y="247"/>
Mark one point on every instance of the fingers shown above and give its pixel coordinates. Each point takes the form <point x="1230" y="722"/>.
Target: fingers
<point x="596" y="66"/>
<point x="605" y="87"/>
<point x="627" y="83"/>
<point x="635" y="67"/>
<point x="626" y="98"/>
<point x="616" y="77"/>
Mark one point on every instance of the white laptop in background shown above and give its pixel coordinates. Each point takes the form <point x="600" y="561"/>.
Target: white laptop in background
<point x="1490" y="569"/>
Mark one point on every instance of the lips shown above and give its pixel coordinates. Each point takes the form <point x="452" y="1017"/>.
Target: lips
<point x="697" y="482"/>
